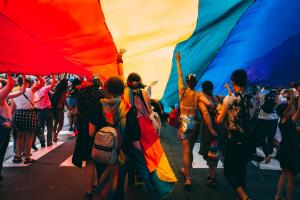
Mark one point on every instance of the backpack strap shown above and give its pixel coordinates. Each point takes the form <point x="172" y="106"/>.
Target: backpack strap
<point x="181" y="98"/>
<point x="26" y="97"/>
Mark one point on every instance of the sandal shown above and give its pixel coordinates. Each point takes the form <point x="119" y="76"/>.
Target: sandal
<point x="28" y="160"/>
<point x="17" y="159"/>
<point x="188" y="184"/>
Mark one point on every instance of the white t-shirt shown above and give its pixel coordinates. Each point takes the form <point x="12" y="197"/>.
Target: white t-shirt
<point x="22" y="103"/>
<point x="43" y="98"/>
<point x="264" y="115"/>
<point x="267" y="116"/>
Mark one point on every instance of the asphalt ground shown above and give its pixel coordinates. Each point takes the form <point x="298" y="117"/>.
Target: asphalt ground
<point x="46" y="179"/>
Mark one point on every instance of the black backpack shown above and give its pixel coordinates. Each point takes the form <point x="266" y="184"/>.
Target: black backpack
<point x="269" y="103"/>
<point x="248" y="123"/>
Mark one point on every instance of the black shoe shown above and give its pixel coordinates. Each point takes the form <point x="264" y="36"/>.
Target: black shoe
<point x="17" y="159"/>
<point x="28" y="160"/>
<point x="43" y="145"/>
<point x="34" y="147"/>
<point x="211" y="182"/>
<point x="49" y="144"/>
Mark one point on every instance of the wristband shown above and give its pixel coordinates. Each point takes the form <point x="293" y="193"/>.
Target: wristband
<point x="119" y="60"/>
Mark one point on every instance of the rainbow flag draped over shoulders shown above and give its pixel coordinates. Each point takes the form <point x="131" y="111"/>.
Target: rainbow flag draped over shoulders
<point x="156" y="159"/>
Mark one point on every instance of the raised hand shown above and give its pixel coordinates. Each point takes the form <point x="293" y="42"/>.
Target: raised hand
<point x="121" y="53"/>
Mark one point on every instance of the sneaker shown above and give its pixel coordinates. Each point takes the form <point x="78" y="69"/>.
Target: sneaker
<point x="43" y="145"/>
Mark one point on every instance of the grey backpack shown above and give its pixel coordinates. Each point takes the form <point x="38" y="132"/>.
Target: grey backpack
<point x="105" y="145"/>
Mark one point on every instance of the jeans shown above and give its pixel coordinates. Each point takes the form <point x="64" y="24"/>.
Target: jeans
<point x="46" y="118"/>
<point x="144" y="173"/>
<point x="4" y="140"/>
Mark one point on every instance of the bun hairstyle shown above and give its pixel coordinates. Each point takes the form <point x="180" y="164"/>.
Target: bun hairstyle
<point x="191" y="81"/>
<point x="207" y="87"/>
<point x="134" y="81"/>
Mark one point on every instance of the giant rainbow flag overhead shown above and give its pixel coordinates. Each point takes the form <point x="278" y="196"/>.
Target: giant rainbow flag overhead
<point x="214" y="38"/>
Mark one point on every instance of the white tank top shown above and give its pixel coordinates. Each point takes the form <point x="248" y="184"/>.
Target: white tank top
<point x="23" y="103"/>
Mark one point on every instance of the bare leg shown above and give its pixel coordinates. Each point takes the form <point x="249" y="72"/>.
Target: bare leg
<point x="60" y="124"/>
<point x="290" y="185"/>
<point x="242" y="194"/>
<point x="186" y="159"/>
<point x="280" y="184"/>
<point x="20" y="143"/>
<point x="90" y="171"/>
<point x="28" y="144"/>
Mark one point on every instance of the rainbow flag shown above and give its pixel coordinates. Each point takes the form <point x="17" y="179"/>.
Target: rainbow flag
<point x="214" y="38"/>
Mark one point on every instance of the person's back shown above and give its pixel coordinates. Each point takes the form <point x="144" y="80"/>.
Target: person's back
<point x="189" y="102"/>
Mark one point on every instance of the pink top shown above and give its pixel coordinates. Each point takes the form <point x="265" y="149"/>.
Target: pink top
<point x="43" y="98"/>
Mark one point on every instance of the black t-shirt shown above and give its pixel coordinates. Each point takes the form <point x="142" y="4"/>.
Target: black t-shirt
<point x="132" y="128"/>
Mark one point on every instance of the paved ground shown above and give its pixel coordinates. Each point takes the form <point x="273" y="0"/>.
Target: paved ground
<point x="53" y="177"/>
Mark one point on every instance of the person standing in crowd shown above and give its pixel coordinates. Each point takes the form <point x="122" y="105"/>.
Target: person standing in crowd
<point x="45" y="113"/>
<point x="240" y="108"/>
<point x="25" y="119"/>
<point x="267" y="122"/>
<point x="72" y="109"/>
<point x="114" y="110"/>
<point x="189" y="120"/>
<point x="144" y="161"/>
<point x="289" y="151"/>
<point x="6" y="114"/>
<point x="88" y="95"/>
<point x="58" y="103"/>
<point x="209" y="133"/>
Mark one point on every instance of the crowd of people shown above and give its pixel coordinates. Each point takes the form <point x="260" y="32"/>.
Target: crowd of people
<point x="229" y="127"/>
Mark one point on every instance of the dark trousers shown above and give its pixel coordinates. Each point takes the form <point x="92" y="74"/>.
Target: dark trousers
<point x="4" y="140"/>
<point x="46" y="118"/>
<point x="235" y="164"/>
<point x="267" y="131"/>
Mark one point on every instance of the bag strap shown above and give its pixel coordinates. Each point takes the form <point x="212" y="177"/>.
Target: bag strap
<point x="26" y="97"/>
<point x="181" y="98"/>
